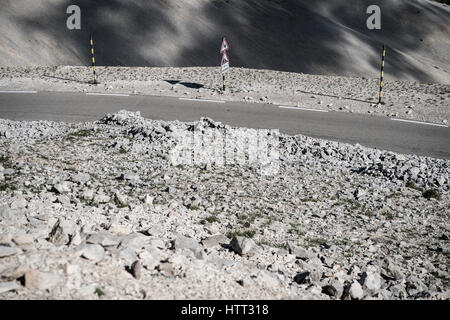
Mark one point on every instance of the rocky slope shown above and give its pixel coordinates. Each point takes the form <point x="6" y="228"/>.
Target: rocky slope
<point x="316" y="37"/>
<point x="97" y="210"/>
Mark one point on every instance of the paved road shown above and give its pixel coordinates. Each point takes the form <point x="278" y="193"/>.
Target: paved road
<point x="370" y="131"/>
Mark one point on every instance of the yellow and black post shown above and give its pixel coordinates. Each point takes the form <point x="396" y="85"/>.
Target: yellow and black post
<point x="383" y="55"/>
<point x="223" y="81"/>
<point x="93" y="59"/>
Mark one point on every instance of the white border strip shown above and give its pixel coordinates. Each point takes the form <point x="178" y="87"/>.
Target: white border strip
<point x="202" y="100"/>
<point x="107" y="94"/>
<point x="420" y="122"/>
<point x="303" y="109"/>
<point x="10" y="91"/>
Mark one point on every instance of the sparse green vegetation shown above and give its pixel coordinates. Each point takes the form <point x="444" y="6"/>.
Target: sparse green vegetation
<point x="192" y="207"/>
<point x="250" y="218"/>
<point x="296" y="230"/>
<point x="440" y="276"/>
<point x="309" y="199"/>
<point x="410" y="184"/>
<point x="393" y="237"/>
<point x="87" y="202"/>
<point x="431" y="193"/>
<point x="7" y="186"/>
<point x="241" y="233"/>
<point x="81" y="133"/>
<point x="3" y="159"/>
<point x="368" y="213"/>
<point x="35" y="189"/>
<point x="99" y="292"/>
<point x="210" y="219"/>
<point x="162" y="201"/>
<point x="267" y="223"/>
<point x="274" y="245"/>
<point x="354" y="204"/>
<point x="120" y="205"/>
<point x="393" y="195"/>
<point x="317" y="241"/>
<point x="388" y="215"/>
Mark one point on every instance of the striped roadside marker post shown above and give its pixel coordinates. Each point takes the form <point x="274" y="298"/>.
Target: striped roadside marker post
<point x="223" y="82"/>
<point x="383" y="55"/>
<point x="93" y="59"/>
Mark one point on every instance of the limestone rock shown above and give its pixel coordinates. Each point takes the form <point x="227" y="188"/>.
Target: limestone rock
<point x="37" y="280"/>
<point x="135" y="269"/>
<point x="215" y="240"/>
<point x="243" y="246"/>
<point x="356" y="291"/>
<point x="9" y="251"/>
<point x="94" y="252"/>
<point x="182" y="242"/>
<point x="8" y="286"/>
<point x="23" y="239"/>
<point x="302" y="278"/>
<point x="62" y="232"/>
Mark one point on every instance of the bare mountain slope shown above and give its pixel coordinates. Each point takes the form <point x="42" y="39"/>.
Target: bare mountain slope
<point x="318" y="37"/>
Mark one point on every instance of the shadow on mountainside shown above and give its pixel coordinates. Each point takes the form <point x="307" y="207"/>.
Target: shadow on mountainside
<point x="327" y="37"/>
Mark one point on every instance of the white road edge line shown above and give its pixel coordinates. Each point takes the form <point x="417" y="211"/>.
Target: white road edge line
<point x="107" y="94"/>
<point x="202" y="100"/>
<point x="301" y="108"/>
<point x="11" y="91"/>
<point x="420" y="122"/>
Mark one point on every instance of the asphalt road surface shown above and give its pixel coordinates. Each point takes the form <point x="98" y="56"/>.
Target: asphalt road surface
<point x="371" y="131"/>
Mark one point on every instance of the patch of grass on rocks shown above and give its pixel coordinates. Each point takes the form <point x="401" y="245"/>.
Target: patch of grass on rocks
<point x="242" y="233"/>
<point x="247" y="219"/>
<point x="253" y="216"/>
<point x="99" y="292"/>
<point x="89" y="203"/>
<point x="7" y="185"/>
<point x="354" y="204"/>
<point x="309" y="199"/>
<point x="317" y="241"/>
<point x="394" y="195"/>
<point x="193" y="207"/>
<point x="368" y="212"/>
<point x="210" y="219"/>
<point x="274" y="245"/>
<point x="3" y="159"/>
<point x="81" y="133"/>
<point x="34" y="189"/>
<point x="431" y="193"/>
<point x="389" y="215"/>
<point x="412" y="185"/>
<point x="295" y="229"/>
